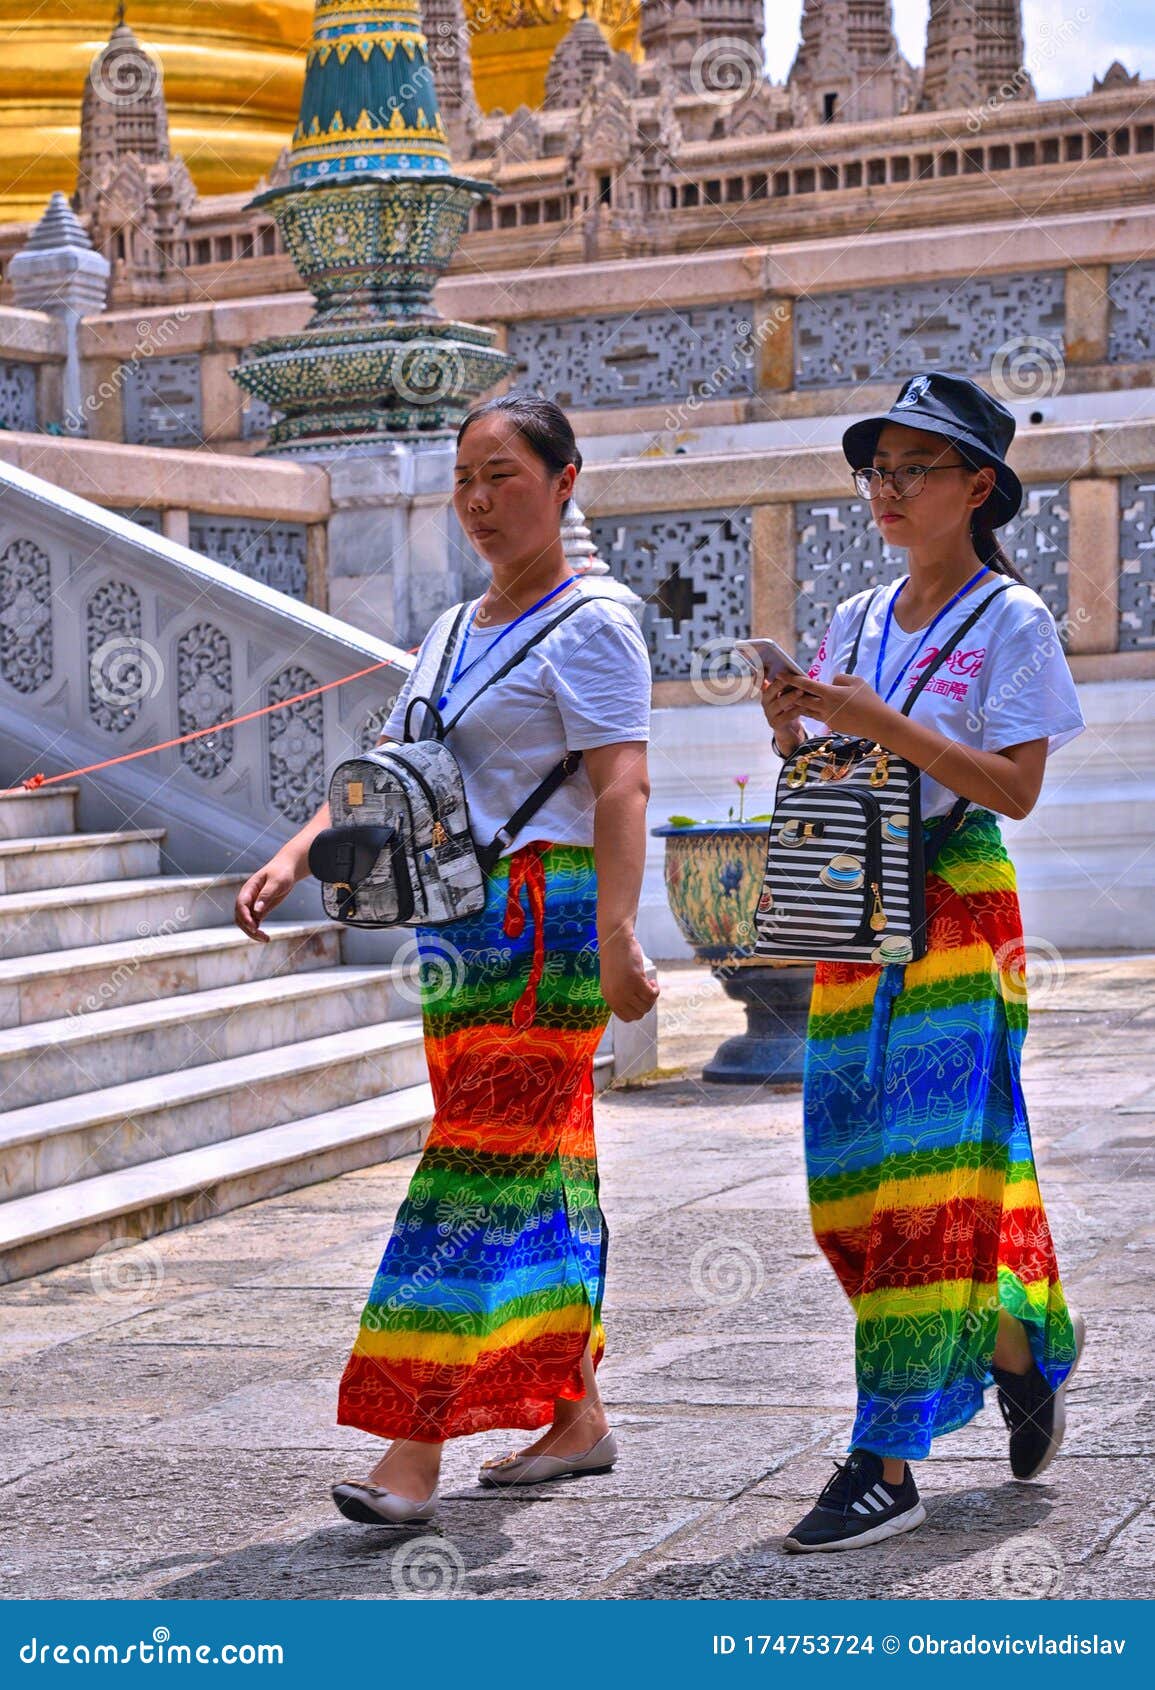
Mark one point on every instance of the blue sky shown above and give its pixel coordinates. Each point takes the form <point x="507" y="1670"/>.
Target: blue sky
<point x="1096" y="32"/>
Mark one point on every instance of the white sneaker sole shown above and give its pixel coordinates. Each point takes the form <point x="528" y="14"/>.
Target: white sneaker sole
<point x="877" y="1534"/>
<point x="1060" y="1423"/>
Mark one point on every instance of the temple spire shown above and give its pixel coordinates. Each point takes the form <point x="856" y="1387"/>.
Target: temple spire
<point x="974" y="53"/>
<point x="848" y="68"/>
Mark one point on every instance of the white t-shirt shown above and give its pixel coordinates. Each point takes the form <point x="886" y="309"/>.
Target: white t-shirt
<point x="1008" y="681"/>
<point x="587" y="683"/>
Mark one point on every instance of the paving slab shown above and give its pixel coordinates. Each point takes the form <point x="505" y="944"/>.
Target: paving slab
<point x="167" y="1423"/>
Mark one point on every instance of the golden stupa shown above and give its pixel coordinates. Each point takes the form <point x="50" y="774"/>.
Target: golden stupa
<point x="233" y="72"/>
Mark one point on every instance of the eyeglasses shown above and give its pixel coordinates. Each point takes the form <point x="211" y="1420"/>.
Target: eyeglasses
<point x="908" y="480"/>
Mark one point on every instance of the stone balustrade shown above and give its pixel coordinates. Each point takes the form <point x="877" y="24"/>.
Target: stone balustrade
<point x="116" y="639"/>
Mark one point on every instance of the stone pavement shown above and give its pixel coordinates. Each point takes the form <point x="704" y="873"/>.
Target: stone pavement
<point x="168" y="1412"/>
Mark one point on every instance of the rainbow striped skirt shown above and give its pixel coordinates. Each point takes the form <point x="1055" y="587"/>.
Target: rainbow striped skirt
<point x="492" y="1281"/>
<point x="922" y="1185"/>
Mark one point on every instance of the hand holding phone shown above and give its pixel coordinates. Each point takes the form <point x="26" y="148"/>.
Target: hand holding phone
<point x="768" y="659"/>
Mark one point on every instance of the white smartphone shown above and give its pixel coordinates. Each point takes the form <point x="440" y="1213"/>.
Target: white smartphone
<point x="767" y="659"/>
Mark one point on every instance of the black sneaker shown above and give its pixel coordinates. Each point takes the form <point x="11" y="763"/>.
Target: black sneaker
<point x="857" y="1507"/>
<point x="1035" y="1415"/>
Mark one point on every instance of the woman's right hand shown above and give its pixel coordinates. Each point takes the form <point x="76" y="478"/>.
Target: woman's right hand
<point x="781" y="705"/>
<point x="261" y="893"/>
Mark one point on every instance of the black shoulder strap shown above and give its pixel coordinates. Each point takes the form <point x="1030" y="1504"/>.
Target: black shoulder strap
<point x="439" y="679"/>
<point x="487" y="855"/>
<point x="944" y="651"/>
<point x="947" y="824"/>
<point x="853" y="658"/>
<point x="522" y="652"/>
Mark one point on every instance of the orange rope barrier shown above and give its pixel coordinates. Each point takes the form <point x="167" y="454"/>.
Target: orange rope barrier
<point x="38" y="780"/>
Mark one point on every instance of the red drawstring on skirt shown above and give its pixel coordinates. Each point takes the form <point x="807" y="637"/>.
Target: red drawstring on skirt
<point x="525" y="870"/>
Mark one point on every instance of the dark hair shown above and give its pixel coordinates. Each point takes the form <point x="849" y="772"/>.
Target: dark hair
<point x="543" y="426"/>
<point x="984" y="536"/>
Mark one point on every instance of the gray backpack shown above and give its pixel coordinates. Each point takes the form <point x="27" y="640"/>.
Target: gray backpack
<point x="401" y="852"/>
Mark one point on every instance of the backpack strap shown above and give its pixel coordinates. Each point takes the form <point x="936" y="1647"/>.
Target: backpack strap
<point x="487" y="855"/>
<point x="521" y="653"/>
<point x="945" y="650"/>
<point x="431" y="709"/>
<point x="866" y="609"/>
<point x="948" y="823"/>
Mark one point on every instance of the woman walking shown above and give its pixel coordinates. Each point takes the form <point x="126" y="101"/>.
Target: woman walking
<point x="921" y="1175"/>
<point x="486" y="1309"/>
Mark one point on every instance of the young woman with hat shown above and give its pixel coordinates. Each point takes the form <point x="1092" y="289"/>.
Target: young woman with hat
<point x="921" y="1175"/>
<point x="485" y="1311"/>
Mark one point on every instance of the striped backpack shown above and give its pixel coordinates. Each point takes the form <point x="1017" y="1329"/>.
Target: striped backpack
<point x="846" y="867"/>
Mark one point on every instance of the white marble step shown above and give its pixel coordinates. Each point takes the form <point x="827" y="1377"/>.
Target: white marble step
<point x="109" y="910"/>
<point x="44" y="811"/>
<point x="140" y="970"/>
<point x="70" y="859"/>
<point x="73" y="1138"/>
<point x="66" y="1225"/>
<point x="72" y="1054"/>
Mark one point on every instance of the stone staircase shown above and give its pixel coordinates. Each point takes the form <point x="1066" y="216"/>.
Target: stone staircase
<point x="156" y="1066"/>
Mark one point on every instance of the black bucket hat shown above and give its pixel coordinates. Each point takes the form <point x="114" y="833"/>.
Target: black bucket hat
<point x="962" y="413"/>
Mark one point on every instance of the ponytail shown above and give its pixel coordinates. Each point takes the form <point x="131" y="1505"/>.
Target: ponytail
<point x="984" y="537"/>
<point x="986" y="544"/>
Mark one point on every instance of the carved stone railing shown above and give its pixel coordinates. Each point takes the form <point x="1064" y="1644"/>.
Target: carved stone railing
<point x="113" y="639"/>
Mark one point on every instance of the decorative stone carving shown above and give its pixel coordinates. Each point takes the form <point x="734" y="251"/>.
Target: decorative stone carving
<point x="692" y="569"/>
<point x="25" y="616"/>
<point x="580" y="53"/>
<point x="879" y="334"/>
<point x="296" y="746"/>
<point x="839" y="552"/>
<point x="162" y="401"/>
<point x="204" y="679"/>
<point x="119" y="667"/>
<point x="272" y="552"/>
<point x="640" y="359"/>
<point x="18" y="396"/>
<point x="1131" y="290"/>
<point x="1137" y="563"/>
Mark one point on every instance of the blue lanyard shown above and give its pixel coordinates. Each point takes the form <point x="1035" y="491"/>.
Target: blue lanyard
<point x="459" y="673"/>
<point x="927" y="632"/>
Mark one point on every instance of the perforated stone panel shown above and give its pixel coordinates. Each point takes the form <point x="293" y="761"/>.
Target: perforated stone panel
<point x="272" y="552"/>
<point x="18" y="396"/>
<point x="839" y="551"/>
<point x="1131" y="290"/>
<point x="872" y="334"/>
<point x="1137" y="563"/>
<point x="640" y="358"/>
<point x="162" y="402"/>
<point x="693" y="570"/>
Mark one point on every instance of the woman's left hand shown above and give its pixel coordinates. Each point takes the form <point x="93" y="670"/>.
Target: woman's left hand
<point x="848" y="705"/>
<point x="625" y="984"/>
